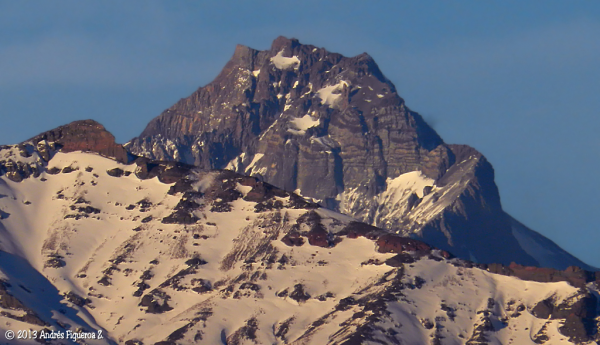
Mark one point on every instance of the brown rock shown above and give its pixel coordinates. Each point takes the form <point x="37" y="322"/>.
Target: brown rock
<point x="85" y="135"/>
<point x="395" y="244"/>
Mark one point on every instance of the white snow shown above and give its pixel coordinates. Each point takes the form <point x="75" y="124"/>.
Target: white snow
<point x="243" y="189"/>
<point x="325" y="141"/>
<point x="299" y="125"/>
<point x="305" y="122"/>
<point x="231" y="244"/>
<point x="329" y="95"/>
<point x="250" y="168"/>
<point x="282" y="62"/>
<point x="467" y="291"/>
<point x="12" y="152"/>
<point x="391" y="206"/>
<point x="38" y="229"/>
<point x="413" y="181"/>
<point x="238" y="164"/>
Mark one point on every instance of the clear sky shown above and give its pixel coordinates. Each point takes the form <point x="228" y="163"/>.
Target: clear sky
<point x="518" y="80"/>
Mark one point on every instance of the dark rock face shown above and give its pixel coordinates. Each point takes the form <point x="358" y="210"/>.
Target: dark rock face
<point x="298" y="294"/>
<point x="300" y="117"/>
<point x="575" y="276"/>
<point x="380" y="137"/>
<point x="484" y="325"/>
<point x="76" y="299"/>
<point x="247" y="332"/>
<point x="156" y="302"/>
<point x="85" y="135"/>
<point x="115" y="172"/>
<point x="578" y="314"/>
<point x="396" y="244"/>
<point x="55" y="261"/>
<point x="18" y="162"/>
<point x="17" y="171"/>
<point x="475" y="226"/>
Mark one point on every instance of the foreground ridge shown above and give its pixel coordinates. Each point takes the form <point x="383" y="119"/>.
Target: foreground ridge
<point x="155" y="252"/>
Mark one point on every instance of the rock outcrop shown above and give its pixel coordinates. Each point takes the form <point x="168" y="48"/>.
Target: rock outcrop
<point x="85" y="135"/>
<point x="31" y="157"/>
<point x="334" y="129"/>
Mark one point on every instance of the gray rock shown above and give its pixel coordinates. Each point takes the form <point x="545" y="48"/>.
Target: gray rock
<point x="336" y="129"/>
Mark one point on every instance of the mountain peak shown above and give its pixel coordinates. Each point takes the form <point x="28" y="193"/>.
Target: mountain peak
<point x="184" y="246"/>
<point x="242" y="56"/>
<point x="335" y="129"/>
<point x="84" y="135"/>
<point x="282" y="42"/>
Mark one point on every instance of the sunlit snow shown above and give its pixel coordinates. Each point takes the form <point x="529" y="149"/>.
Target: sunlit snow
<point x="301" y="124"/>
<point x="283" y="62"/>
<point x="329" y="95"/>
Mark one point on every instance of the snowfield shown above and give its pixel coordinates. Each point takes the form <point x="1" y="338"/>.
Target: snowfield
<point x="94" y="247"/>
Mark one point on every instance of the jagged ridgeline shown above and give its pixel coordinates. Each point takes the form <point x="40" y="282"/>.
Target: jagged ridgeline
<point x="160" y="252"/>
<point x="334" y="129"/>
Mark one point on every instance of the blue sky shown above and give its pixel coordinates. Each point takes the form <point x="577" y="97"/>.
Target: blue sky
<point x="517" y="80"/>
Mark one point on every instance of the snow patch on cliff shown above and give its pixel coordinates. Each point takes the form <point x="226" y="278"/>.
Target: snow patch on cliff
<point x="413" y="181"/>
<point x="299" y="125"/>
<point x="330" y="95"/>
<point x="282" y="62"/>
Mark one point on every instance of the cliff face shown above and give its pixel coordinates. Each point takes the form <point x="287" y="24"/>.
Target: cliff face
<point x="85" y="135"/>
<point x="324" y="122"/>
<point x="334" y="129"/>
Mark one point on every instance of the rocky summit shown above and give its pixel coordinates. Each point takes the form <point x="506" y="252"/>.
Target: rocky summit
<point x="334" y="129"/>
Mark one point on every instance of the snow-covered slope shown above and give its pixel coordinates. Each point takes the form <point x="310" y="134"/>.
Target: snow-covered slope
<point x="159" y="253"/>
<point x="415" y="203"/>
